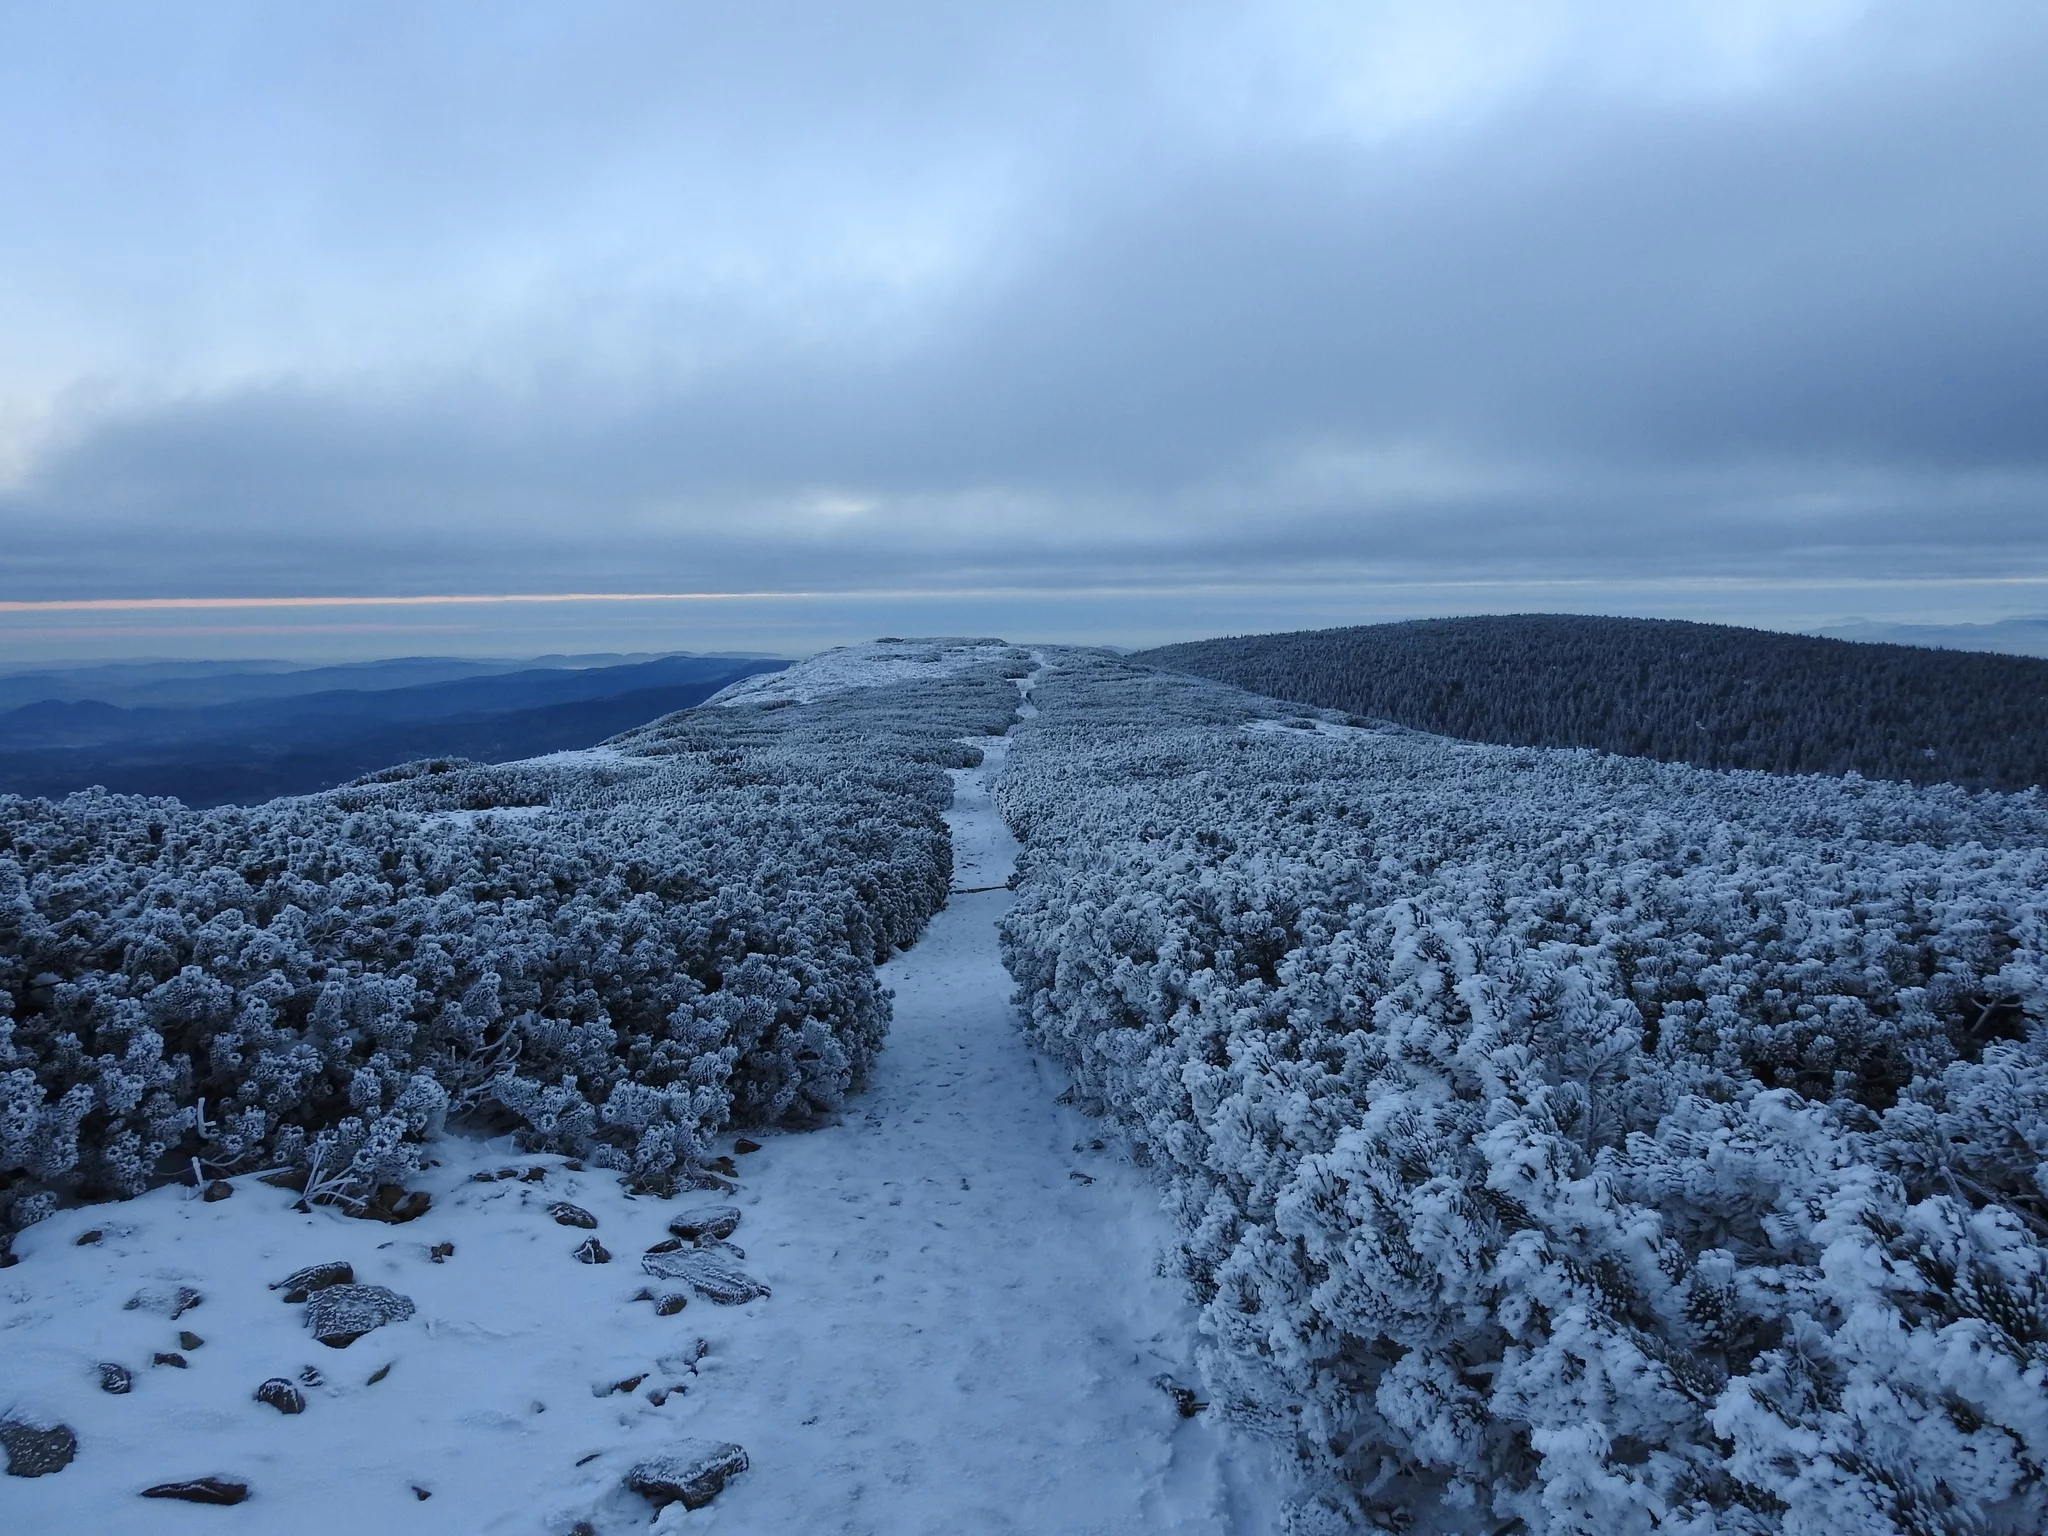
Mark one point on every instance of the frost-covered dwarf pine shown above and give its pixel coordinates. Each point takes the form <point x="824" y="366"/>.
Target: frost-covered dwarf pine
<point x="615" y="953"/>
<point x="1606" y="1145"/>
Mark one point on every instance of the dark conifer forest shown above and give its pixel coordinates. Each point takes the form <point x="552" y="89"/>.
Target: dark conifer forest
<point x="1712" y="695"/>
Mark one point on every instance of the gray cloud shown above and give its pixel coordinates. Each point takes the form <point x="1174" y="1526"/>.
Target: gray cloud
<point x="801" y="299"/>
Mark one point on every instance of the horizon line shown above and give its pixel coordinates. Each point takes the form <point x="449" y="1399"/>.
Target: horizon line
<point x="477" y="599"/>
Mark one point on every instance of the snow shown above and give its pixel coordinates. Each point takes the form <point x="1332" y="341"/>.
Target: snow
<point x="963" y="1332"/>
<point x="989" y="1326"/>
<point x="861" y="666"/>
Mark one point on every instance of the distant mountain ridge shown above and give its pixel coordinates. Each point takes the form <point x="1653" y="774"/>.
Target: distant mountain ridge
<point x="1708" y="694"/>
<point x="2011" y="637"/>
<point x="248" y="749"/>
<point x="173" y="684"/>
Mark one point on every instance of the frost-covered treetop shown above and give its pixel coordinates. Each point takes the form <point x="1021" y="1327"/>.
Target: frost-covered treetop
<point x="846" y="667"/>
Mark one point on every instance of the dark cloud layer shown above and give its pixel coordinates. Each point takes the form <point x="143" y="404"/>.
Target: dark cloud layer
<point x="932" y="301"/>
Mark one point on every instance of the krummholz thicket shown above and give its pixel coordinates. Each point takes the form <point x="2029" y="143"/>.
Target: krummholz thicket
<point x="1707" y="694"/>
<point x="1596" y="1144"/>
<point x="1566" y="1141"/>
<point x="614" y="954"/>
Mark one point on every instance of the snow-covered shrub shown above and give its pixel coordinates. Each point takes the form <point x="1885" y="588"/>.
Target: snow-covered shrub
<point x="613" y="953"/>
<point x="1605" y="1145"/>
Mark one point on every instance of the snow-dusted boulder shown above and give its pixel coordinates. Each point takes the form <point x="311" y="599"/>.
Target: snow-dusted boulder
<point x="341" y="1314"/>
<point x="692" y="1475"/>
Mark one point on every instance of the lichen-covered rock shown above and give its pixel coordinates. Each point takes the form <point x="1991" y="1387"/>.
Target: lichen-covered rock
<point x="172" y="1301"/>
<point x="705" y="1275"/>
<point x="301" y="1283"/>
<point x="341" y="1314"/>
<point x="706" y="1221"/>
<point x="35" y="1451"/>
<point x="568" y="1215"/>
<point x="692" y="1475"/>
<point x="281" y="1395"/>
<point x="201" y="1490"/>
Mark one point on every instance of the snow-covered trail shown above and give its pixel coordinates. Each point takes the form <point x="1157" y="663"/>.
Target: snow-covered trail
<point x="963" y="1336"/>
<point x="966" y="1331"/>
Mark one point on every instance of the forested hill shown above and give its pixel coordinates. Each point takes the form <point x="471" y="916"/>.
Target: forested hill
<point x="1708" y="694"/>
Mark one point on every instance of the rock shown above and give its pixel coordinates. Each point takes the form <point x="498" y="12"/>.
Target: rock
<point x="422" y="1494"/>
<point x="116" y="1379"/>
<point x="301" y="1283"/>
<point x="667" y="1245"/>
<point x="281" y="1395"/>
<point x="706" y="1221"/>
<point x="341" y="1314"/>
<point x="378" y="1374"/>
<point x="706" y="1276"/>
<point x="724" y="1165"/>
<point x="393" y="1203"/>
<point x="1184" y="1398"/>
<point x="219" y="1189"/>
<point x="744" y="1145"/>
<point x="669" y="1304"/>
<point x="311" y="1376"/>
<point x="692" y="1475"/>
<point x="172" y="1301"/>
<point x="440" y="1253"/>
<point x="573" y="1166"/>
<point x="629" y="1384"/>
<point x="189" y="1340"/>
<point x="293" y="1179"/>
<point x="533" y="1175"/>
<point x="87" y="1239"/>
<point x="201" y="1490"/>
<point x="568" y="1215"/>
<point x="33" y="1451"/>
<point x="169" y="1357"/>
<point x="591" y="1251"/>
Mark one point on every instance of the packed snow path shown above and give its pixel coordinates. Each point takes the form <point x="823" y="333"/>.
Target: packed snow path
<point x="966" y="1331"/>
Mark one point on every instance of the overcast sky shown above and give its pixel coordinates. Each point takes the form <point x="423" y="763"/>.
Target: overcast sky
<point x="1127" y="320"/>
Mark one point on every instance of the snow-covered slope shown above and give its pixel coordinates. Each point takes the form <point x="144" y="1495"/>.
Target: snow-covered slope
<point x="962" y="1324"/>
<point x="867" y="666"/>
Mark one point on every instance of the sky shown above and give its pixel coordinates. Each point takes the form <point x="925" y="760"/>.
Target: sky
<point x="797" y="322"/>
